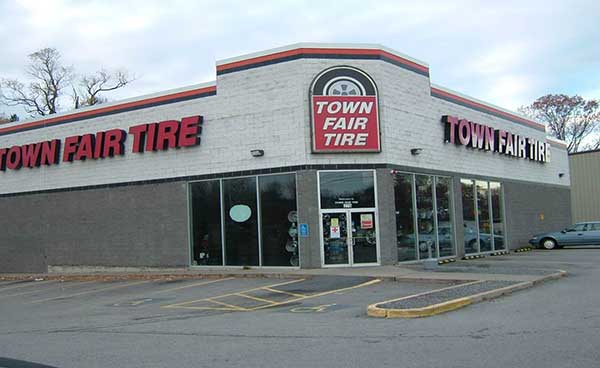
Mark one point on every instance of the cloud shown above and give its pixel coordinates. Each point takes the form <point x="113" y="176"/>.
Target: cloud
<point x="507" y="53"/>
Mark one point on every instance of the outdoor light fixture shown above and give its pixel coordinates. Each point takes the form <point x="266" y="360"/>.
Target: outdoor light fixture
<point x="415" y="151"/>
<point x="560" y="175"/>
<point x="257" y="153"/>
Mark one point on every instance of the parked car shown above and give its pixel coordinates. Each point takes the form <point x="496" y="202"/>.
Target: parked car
<point x="582" y="233"/>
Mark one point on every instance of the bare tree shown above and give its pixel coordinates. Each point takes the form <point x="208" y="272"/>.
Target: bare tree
<point x="570" y="118"/>
<point x="49" y="79"/>
<point x="90" y="89"/>
<point x="4" y="119"/>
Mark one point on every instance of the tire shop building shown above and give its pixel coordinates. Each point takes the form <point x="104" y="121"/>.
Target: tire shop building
<point x="310" y="155"/>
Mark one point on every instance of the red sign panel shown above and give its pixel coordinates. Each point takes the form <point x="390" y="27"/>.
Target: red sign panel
<point x="345" y="124"/>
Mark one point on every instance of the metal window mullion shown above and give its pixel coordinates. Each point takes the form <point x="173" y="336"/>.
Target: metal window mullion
<point x="258" y="223"/>
<point x="222" y="198"/>
<point x="503" y="210"/>
<point x="415" y="214"/>
<point x="476" y="200"/>
<point x="491" y="216"/>
<point x="435" y="216"/>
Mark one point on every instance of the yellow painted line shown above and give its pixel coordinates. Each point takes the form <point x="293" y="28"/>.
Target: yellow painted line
<point x="193" y="285"/>
<point x="26" y="284"/>
<point x="372" y="282"/>
<point x="285" y="292"/>
<point x="230" y="294"/>
<point x="90" y="291"/>
<point x="236" y="307"/>
<point x="205" y="308"/>
<point x="256" y="298"/>
<point x="37" y="291"/>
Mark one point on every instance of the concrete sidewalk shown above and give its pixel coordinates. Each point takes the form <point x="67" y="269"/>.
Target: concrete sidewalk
<point x="459" y="271"/>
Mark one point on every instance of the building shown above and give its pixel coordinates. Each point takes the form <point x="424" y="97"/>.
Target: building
<point x="309" y="155"/>
<point x="585" y="186"/>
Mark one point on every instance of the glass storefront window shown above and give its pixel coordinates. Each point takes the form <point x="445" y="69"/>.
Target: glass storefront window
<point x="206" y="223"/>
<point x="469" y="224"/>
<point x="488" y="233"/>
<point x="347" y="189"/>
<point x="241" y="222"/>
<point x="443" y="195"/>
<point x="433" y="217"/>
<point x="278" y="220"/>
<point x="497" y="215"/>
<point x="230" y="207"/>
<point x="405" y="223"/>
<point x="483" y="216"/>
<point x="425" y="220"/>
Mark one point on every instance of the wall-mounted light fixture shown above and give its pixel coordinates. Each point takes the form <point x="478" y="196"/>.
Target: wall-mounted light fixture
<point x="560" y="175"/>
<point x="257" y="153"/>
<point x="416" y="151"/>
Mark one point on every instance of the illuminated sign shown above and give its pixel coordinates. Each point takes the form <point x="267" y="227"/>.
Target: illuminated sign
<point x="474" y="135"/>
<point x="344" y="112"/>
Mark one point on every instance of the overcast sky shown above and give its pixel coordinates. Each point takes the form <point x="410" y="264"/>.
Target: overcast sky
<point x="504" y="52"/>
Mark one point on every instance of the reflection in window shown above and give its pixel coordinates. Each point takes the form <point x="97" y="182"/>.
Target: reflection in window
<point x="444" y="216"/>
<point x="497" y="215"/>
<point x="206" y="223"/>
<point x="483" y="215"/>
<point x="425" y="221"/>
<point x="405" y="225"/>
<point x="278" y="220"/>
<point x="347" y="189"/>
<point x="241" y="238"/>
<point x="469" y="224"/>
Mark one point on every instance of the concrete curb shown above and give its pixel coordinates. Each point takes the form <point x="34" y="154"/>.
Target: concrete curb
<point x="374" y="310"/>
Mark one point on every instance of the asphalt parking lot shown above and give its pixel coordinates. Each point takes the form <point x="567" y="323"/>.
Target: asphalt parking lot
<point x="271" y="322"/>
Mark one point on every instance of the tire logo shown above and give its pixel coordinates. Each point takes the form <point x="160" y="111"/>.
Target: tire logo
<point x="344" y="111"/>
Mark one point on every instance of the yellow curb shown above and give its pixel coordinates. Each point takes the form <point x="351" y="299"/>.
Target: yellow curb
<point x="374" y="310"/>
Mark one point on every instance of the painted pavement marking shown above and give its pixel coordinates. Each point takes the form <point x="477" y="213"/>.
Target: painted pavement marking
<point x="114" y="287"/>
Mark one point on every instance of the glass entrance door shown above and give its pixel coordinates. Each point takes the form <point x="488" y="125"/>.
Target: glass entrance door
<point x="349" y="237"/>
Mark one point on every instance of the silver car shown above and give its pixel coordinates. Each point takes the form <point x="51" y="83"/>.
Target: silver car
<point x="582" y="233"/>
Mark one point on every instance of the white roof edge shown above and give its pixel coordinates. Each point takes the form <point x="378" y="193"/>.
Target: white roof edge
<point x="320" y="46"/>
<point x="113" y="103"/>
<point x="553" y="139"/>
<point x="484" y="103"/>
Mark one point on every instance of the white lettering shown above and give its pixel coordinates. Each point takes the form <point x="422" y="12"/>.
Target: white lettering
<point x="320" y="105"/>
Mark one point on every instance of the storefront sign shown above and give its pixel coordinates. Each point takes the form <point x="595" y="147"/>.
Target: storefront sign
<point x="303" y="230"/>
<point x="366" y="221"/>
<point x="344" y="111"/>
<point x="146" y="137"/>
<point x="334" y="229"/>
<point x="474" y="135"/>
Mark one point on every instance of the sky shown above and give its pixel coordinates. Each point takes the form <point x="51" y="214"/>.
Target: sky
<point x="504" y="52"/>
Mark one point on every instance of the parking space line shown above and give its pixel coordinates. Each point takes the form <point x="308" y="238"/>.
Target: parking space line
<point x="285" y="292"/>
<point x="37" y="291"/>
<point x="235" y="307"/>
<point x="372" y="282"/>
<point x="193" y="285"/>
<point x="25" y="284"/>
<point x="90" y="291"/>
<point x="256" y="298"/>
<point x="180" y="305"/>
<point x="185" y="305"/>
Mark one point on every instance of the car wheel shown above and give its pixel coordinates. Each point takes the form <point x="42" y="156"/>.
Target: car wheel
<point x="549" y="244"/>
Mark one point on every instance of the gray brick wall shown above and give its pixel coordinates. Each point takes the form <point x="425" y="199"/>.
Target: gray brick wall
<point x="142" y="225"/>
<point x="525" y="205"/>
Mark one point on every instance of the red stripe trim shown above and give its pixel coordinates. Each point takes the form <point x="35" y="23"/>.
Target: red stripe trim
<point x="109" y="108"/>
<point x="320" y="51"/>
<point x="485" y="107"/>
